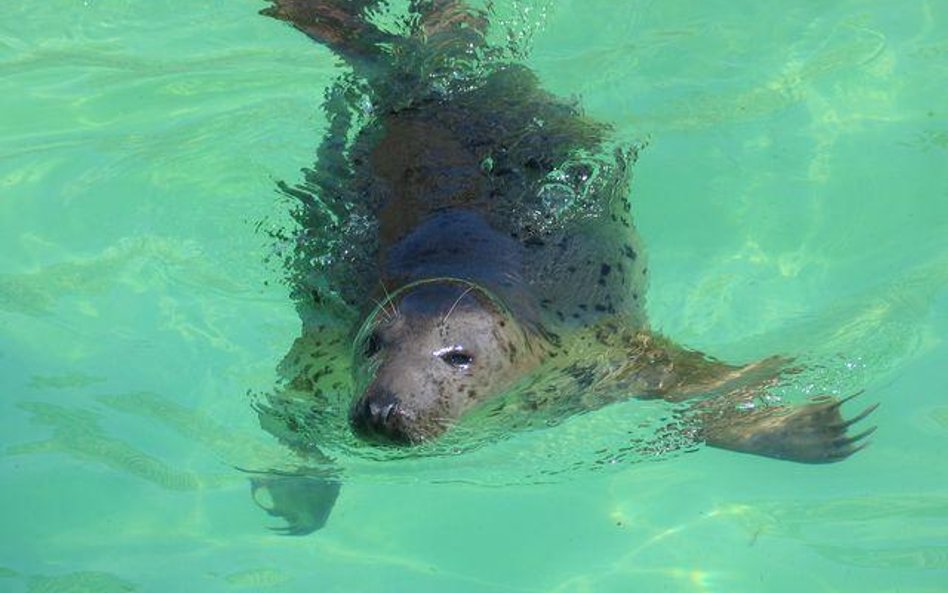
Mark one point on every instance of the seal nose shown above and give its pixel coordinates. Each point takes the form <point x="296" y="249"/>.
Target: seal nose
<point x="376" y="415"/>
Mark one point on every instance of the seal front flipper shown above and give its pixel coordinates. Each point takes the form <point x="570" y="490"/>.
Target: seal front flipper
<point x="811" y="433"/>
<point x="675" y="374"/>
<point x="730" y="415"/>
<point x="727" y="406"/>
<point x="304" y="496"/>
<point x="304" y="499"/>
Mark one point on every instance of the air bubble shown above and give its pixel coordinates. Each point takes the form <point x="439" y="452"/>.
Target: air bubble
<point x="556" y="198"/>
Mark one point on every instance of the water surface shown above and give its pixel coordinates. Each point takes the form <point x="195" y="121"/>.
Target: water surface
<point x="792" y="198"/>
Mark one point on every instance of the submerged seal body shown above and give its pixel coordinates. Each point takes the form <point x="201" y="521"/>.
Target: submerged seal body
<point x="472" y="231"/>
<point x="476" y="289"/>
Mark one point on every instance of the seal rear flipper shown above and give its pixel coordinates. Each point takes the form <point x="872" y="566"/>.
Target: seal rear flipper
<point x="443" y="26"/>
<point x="339" y="24"/>
<point x="811" y="433"/>
<point x="303" y="499"/>
<point x="449" y="25"/>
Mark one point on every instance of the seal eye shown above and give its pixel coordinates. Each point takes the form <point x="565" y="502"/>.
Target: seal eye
<point x="372" y="345"/>
<point x="457" y="358"/>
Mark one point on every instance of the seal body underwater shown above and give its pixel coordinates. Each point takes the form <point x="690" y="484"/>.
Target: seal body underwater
<point x="468" y="230"/>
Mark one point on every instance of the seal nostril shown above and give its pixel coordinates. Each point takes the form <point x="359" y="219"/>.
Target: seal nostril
<point x="381" y="412"/>
<point x="376" y="416"/>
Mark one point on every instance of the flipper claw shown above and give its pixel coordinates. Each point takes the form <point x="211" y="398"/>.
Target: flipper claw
<point x="848" y="440"/>
<point x="857" y="417"/>
<point x="812" y="433"/>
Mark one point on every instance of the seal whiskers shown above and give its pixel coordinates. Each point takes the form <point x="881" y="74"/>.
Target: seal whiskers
<point x="455" y="304"/>
<point x="393" y="314"/>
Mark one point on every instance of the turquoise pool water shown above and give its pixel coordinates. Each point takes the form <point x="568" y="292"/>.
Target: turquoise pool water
<point x="793" y="199"/>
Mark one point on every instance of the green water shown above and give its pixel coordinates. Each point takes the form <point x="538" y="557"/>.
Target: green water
<point x="793" y="199"/>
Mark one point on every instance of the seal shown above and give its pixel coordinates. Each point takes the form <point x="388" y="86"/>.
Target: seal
<point x="467" y="232"/>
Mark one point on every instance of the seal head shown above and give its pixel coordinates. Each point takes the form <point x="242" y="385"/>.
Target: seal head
<point x="428" y="354"/>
